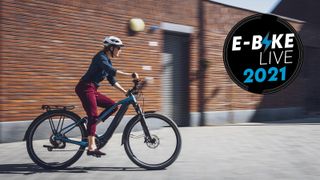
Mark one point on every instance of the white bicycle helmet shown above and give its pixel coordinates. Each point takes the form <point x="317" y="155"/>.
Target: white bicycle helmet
<point x="112" y="40"/>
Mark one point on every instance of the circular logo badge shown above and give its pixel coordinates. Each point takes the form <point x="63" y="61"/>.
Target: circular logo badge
<point x="263" y="54"/>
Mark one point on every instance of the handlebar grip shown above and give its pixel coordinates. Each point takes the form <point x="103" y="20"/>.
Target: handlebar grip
<point x="135" y="75"/>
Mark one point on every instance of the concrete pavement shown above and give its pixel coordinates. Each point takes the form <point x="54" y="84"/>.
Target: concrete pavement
<point x="242" y="151"/>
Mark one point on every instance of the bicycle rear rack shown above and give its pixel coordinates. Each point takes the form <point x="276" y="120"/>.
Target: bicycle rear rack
<point x="57" y="107"/>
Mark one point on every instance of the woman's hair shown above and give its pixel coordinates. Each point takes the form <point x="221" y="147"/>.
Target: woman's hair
<point x="109" y="49"/>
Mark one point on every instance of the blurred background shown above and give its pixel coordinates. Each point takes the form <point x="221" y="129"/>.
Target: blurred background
<point x="47" y="45"/>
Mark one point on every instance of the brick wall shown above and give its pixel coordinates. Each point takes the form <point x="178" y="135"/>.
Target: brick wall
<point x="46" y="46"/>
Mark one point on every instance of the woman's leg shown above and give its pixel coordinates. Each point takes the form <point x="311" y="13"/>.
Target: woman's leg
<point x="87" y="95"/>
<point x="105" y="102"/>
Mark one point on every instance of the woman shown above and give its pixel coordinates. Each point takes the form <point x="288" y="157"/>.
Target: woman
<point x="99" y="69"/>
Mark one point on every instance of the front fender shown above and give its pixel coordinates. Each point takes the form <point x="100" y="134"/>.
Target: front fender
<point x="131" y="121"/>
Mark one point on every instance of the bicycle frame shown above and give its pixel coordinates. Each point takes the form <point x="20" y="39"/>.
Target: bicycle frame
<point x="114" y="124"/>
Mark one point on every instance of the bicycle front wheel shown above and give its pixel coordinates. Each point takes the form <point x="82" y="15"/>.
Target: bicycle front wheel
<point x="43" y="143"/>
<point x="157" y="152"/>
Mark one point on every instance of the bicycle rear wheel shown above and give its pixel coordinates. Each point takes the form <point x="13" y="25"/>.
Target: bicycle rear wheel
<point x="158" y="152"/>
<point x="43" y="146"/>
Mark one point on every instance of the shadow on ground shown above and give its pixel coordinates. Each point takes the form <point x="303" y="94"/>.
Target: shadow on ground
<point x="302" y="121"/>
<point x="30" y="168"/>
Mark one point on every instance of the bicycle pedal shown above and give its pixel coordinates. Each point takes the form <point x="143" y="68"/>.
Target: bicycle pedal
<point x="48" y="146"/>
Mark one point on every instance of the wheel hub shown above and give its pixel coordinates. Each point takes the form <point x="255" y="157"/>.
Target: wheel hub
<point x="153" y="142"/>
<point x="57" y="143"/>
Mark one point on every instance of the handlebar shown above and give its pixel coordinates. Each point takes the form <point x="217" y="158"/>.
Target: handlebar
<point x="137" y="87"/>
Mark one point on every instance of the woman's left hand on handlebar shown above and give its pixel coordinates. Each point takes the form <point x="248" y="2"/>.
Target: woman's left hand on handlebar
<point x="135" y="76"/>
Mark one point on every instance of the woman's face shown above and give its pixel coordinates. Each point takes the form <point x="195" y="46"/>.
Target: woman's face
<point x="117" y="51"/>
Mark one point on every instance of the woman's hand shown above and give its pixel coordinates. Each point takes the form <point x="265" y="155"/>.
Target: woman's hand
<point x="135" y="76"/>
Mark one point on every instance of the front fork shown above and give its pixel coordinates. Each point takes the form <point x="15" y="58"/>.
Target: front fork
<point x="143" y="122"/>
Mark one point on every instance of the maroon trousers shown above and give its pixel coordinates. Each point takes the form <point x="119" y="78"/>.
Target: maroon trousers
<point x="90" y="100"/>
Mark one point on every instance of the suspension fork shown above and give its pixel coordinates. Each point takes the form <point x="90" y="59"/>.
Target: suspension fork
<point x="143" y="121"/>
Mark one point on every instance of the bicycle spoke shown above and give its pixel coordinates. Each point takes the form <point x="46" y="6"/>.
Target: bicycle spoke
<point x="136" y="136"/>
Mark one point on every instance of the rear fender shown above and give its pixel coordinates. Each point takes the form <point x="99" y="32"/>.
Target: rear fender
<point x="42" y="116"/>
<point x="33" y="122"/>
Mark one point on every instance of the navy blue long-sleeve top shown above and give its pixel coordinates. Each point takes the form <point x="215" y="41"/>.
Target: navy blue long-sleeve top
<point x="99" y="69"/>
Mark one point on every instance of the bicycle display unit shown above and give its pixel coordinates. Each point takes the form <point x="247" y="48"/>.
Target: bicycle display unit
<point x="57" y="138"/>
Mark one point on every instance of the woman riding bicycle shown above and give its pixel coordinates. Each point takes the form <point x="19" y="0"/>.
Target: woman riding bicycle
<point x="99" y="69"/>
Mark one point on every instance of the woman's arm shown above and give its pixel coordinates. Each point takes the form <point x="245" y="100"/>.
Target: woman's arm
<point x="134" y="75"/>
<point x="123" y="73"/>
<point x="120" y="88"/>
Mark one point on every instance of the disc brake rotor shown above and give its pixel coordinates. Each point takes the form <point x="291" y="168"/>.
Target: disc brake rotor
<point x="154" y="142"/>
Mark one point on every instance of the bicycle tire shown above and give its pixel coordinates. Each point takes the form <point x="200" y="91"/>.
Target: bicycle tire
<point x="145" y="165"/>
<point x="33" y="127"/>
